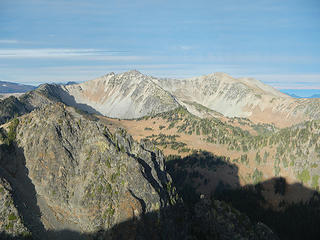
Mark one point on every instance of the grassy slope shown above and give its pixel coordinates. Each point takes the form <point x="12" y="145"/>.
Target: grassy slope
<point x="260" y="152"/>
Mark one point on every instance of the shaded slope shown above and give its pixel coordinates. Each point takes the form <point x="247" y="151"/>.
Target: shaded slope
<point x="268" y="201"/>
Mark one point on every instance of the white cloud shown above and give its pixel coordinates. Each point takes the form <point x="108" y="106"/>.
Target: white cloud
<point x="185" y="48"/>
<point x="290" y="78"/>
<point x="88" y="54"/>
<point x="291" y="81"/>
<point x="9" y="41"/>
<point x="37" y="75"/>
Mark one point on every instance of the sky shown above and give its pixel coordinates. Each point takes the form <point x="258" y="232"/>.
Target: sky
<point x="275" y="41"/>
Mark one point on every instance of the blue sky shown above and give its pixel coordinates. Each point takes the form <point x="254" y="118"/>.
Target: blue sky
<point x="275" y="41"/>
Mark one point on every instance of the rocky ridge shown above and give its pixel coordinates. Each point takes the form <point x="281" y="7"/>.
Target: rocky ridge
<point x="68" y="171"/>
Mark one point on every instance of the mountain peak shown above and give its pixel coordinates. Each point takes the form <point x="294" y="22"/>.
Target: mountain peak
<point x="133" y="72"/>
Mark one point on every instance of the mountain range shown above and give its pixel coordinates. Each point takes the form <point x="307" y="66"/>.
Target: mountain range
<point x="297" y="96"/>
<point x="132" y="95"/>
<point x="130" y="156"/>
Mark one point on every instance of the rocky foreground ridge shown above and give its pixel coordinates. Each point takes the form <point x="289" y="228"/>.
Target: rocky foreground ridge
<point x="63" y="175"/>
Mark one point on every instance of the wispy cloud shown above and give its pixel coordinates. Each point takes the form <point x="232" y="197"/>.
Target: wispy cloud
<point x="185" y="47"/>
<point x="78" y="73"/>
<point x="9" y="41"/>
<point x="88" y="54"/>
<point x="291" y="81"/>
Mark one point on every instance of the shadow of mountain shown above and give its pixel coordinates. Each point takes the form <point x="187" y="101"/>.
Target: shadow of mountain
<point x="70" y="100"/>
<point x="205" y="169"/>
<point x="11" y="106"/>
<point x="13" y="169"/>
<point x="290" y="210"/>
<point x="182" y="220"/>
<point x="180" y="224"/>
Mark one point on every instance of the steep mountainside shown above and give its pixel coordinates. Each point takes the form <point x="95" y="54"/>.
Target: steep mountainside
<point x="127" y="95"/>
<point x="242" y="97"/>
<point x="61" y="171"/>
<point x="84" y="178"/>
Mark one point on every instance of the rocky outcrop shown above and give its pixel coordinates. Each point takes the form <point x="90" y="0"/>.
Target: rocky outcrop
<point x="85" y="177"/>
<point x="17" y="106"/>
<point x="69" y="172"/>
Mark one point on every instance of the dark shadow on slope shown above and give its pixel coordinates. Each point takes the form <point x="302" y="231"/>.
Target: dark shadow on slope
<point x="12" y="106"/>
<point x="13" y="169"/>
<point x="201" y="170"/>
<point x="181" y="221"/>
<point x="172" y="222"/>
<point x="291" y="210"/>
<point x="69" y="100"/>
<point x="55" y="93"/>
<point x="271" y="203"/>
<point x="175" y="223"/>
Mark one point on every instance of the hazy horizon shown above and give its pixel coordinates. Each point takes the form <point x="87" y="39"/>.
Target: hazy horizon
<point x="276" y="42"/>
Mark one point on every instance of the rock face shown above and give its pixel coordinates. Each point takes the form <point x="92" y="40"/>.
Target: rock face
<point x="65" y="176"/>
<point x="85" y="178"/>
<point x="126" y="96"/>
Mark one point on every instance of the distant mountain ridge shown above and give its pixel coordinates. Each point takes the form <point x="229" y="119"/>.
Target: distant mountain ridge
<point x="295" y="93"/>
<point x="132" y="95"/>
<point x="11" y="87"/>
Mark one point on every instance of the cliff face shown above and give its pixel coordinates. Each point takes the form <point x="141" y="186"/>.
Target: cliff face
<point x="62" y="170"/>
